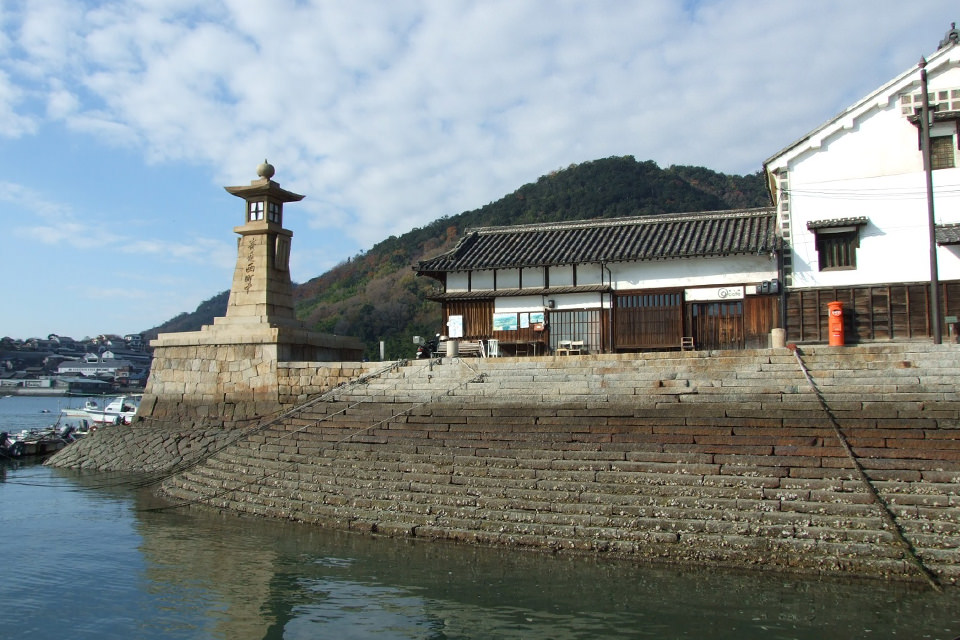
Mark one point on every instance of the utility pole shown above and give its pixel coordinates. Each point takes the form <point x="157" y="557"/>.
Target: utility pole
<point x="925" y="117"/>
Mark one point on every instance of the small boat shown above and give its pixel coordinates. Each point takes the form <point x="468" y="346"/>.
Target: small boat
<point x="37" y="442"/>
<point x="10" y="446"/>
<point x="120" y="410"/>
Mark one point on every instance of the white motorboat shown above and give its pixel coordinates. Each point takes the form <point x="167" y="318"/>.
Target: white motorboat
<point x="119" y="410"/>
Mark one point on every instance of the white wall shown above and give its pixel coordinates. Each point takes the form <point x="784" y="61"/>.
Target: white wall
<point x="693" y="272"/>
<point x="532" y="278"/>
<point x="519" y="304"/>
<point x="872" y="167"/>
<point x="579" y="301"/>
<point x="681" y="273"/>
<point x="561" y="276"/>
<point x="590" y="274"/>
<point x="457" y="281"/>
<point x="508" y="278"/>
<point x="481" y="280"/>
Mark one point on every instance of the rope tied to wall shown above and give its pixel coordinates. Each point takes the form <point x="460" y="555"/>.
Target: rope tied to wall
<point x="886" y="514"/>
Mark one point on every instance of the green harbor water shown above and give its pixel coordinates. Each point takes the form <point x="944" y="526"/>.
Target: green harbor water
<point x="99" y="556"/>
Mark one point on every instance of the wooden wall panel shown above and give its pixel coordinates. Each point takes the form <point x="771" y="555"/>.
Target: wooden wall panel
<point x="648" y="319"/>
<point x="760" y="316"/>
<point x="477" y="317"/>
<point x="874" y="313"/>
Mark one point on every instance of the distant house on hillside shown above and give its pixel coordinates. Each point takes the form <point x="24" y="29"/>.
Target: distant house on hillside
<point x="107" y="368"/>
<point x="614" y="285"/>
<point x="852" y="205"/>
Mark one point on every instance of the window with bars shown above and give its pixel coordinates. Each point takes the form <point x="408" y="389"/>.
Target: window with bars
<point x="273" y="212"/>
<point x="256" y="211"/>
<point x="941" y="152"/>
<point x="577" y="325"/>
<point x="837" y="248"/>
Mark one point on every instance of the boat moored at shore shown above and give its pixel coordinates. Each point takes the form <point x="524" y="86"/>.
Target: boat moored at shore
<point x="38" y="442"/>
<point x="120" y="410"/>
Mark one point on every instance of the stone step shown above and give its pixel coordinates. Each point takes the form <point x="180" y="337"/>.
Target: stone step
<point x="687" y="514"/>
<point x="705" y="504"/>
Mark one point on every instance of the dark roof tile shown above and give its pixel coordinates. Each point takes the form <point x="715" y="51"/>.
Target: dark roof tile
<point x="948" y="233"/>
<point x="858" y="221"/>
<point x="687" y="235"/>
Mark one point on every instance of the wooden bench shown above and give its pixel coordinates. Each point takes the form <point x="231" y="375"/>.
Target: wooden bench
<point x="471" y="349"/>
<point x="569" y="347"/>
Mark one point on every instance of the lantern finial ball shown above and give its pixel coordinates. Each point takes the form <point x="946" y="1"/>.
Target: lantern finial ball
<point x="265" y="170"/>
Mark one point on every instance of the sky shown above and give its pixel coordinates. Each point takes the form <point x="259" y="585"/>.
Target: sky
<point x="122" y="121"/>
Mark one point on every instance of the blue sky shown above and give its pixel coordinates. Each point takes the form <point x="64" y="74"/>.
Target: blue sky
<point x="120" y="122"/>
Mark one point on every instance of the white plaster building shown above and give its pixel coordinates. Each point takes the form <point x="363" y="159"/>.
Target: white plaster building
<point x="851" y="199"/>
<point x="623" y="284"/>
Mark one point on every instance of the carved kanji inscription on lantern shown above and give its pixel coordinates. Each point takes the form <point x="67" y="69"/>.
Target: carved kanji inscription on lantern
<point x="251" y="265"/>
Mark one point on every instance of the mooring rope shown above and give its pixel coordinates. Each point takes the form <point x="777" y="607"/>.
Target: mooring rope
<point x="911" y="553"/>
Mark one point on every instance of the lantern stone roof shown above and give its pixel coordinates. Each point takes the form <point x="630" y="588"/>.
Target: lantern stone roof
<point x="264" y="187"/>
<point x="637" y="238"/>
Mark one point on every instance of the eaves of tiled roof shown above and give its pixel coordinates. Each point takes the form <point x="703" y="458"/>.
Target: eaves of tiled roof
<point x="639" y="238"/>
<point x="947" y="233"/>
<point x="832" y="223"/>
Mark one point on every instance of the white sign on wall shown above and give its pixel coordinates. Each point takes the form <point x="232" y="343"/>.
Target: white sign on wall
<point x="713" y="293"/>
<point x="455" y="327"/>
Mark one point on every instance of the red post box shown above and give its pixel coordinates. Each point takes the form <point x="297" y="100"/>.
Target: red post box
<point x="835" y="324"/>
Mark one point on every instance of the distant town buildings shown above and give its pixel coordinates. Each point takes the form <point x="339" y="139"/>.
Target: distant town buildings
<point x="60" y="364"/>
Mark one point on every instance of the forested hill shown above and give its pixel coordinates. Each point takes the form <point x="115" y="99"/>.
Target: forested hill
<point x="376" y="296"/>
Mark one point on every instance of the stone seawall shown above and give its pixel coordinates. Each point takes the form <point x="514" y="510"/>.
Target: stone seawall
<point x="234" y="386"/>
<point x="145" y="446"/>
<point x="727" y="458"/>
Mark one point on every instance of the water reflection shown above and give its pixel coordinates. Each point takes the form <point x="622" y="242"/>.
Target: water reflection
<point x="94" y="559"/>
<point x="276" y="580"/>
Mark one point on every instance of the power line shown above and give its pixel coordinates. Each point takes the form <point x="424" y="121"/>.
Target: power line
<point x="871" y="194"/>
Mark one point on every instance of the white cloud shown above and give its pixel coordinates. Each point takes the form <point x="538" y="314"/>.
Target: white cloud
<point x="15" y="124"/>
<point x="33" y="217"/>
<point x="61" y="102"/>
<point x="390" y="115"/>
<point x="49" y="35"/>
<point x="20" y="197"/>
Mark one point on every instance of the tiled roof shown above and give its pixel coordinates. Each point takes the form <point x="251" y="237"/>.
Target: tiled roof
<point x="837" y="222"/>
<point x="687" y="235"/>
<point x="947" y="233"/>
